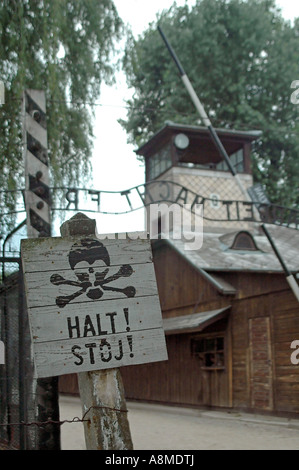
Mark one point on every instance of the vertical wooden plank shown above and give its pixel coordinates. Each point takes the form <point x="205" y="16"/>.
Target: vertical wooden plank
<point x="273" y="357"/>
<point x="229" y="363"/>
<point x="261" y="363"/>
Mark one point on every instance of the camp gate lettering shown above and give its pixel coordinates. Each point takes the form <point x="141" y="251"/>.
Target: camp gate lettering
<point x="174" y="193"/>
<point x="92" y="304"/>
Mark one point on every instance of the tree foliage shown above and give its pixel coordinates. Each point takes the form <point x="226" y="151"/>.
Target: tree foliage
<point x="65" y="48"/>
<point x="241" y="58"/>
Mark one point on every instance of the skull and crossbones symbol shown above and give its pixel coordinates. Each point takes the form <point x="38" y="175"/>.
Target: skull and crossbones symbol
<point x="92" y="280"/>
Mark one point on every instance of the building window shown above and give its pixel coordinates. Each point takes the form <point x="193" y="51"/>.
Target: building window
<point x="237" y="161"/>
<point x="210" y="351"/>
<point x="159" y="162"/>
<point x="244" y="241"/>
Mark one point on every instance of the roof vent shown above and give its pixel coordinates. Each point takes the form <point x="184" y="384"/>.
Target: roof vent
<point x="244" y="241"/>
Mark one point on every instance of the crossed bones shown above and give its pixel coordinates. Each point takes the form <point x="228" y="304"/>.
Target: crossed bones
<point x="92" y="290"/>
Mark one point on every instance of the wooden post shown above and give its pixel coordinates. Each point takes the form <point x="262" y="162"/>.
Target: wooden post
<point x="101" y="392"/>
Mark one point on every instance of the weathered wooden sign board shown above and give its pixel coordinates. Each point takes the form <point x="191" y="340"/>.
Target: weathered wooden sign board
<point x="93" y="304"/>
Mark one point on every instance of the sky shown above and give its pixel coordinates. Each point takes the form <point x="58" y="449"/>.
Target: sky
<point x="115" y="164"/>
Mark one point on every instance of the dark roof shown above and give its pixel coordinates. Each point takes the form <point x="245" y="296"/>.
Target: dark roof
<point x="194" y="322"/>
<point x="216" y="254"/>
<point x="173" y="128"/>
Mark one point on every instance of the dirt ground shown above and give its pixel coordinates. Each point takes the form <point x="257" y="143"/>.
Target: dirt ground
<point x="155" y="427"/>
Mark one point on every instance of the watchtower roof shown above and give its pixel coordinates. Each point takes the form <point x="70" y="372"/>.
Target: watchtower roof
<point x="232" y="139"/>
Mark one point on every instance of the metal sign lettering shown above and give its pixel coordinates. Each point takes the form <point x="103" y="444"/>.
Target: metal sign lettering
<point x="170" y="192"/>
<point x="141" y="196"/>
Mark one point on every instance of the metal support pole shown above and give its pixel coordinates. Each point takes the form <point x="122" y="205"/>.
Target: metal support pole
<point x="289" y="277"/>
<point x="204" y="117"/>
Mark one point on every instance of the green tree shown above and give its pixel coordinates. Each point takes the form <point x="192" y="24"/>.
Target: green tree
<point x="241" y="58"/>
<point x="64" y="47"/>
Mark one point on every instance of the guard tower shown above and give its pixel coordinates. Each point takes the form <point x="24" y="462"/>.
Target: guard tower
<point x="187" y="157"/>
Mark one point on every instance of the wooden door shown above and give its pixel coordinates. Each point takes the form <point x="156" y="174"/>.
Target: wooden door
<point x="215" y="390"/>
<point x="261" y="375"/>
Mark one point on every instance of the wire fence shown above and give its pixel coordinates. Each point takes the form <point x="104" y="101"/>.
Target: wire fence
<point x="17" y="396"/>
<point x="76" y="419"/>
<point x="7" y="444"/>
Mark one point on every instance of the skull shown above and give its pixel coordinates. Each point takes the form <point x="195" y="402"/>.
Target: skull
<point x="91" y="280"/>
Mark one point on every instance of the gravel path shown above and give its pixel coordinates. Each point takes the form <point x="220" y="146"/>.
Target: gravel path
<point x="155" y="427"/>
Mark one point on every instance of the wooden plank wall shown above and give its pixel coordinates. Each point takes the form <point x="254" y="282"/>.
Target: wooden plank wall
<point x="174" y="381"/>
<point x="285" y="328"/>
<point x="180" y="380"/>
<point x="267" y="297"/>
<point x="182" y="290"/>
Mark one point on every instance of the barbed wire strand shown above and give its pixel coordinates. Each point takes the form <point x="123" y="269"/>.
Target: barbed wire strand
<point x="76" y="419"/>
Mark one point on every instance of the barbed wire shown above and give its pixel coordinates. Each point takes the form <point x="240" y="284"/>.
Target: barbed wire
<point x="76" y="419"/>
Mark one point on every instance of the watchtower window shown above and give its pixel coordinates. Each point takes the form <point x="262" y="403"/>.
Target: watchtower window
<point x="159" y="162"/>
<point x="237" y="160"/>
<point x="244" y="241"/>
